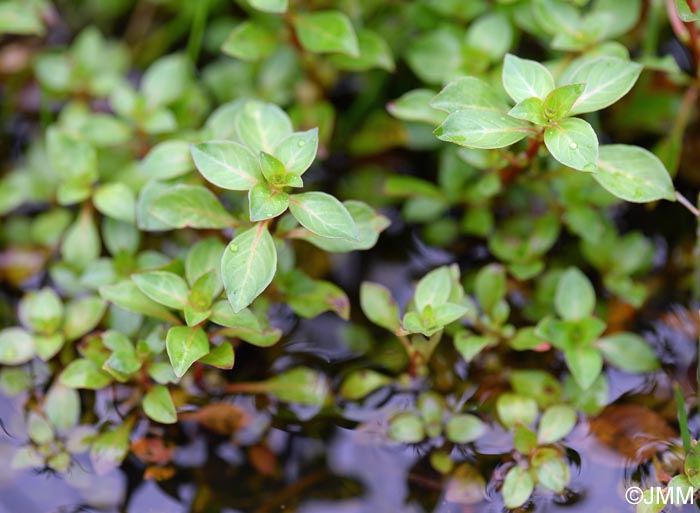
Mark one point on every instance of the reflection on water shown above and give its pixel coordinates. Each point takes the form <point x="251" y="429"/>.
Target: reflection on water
<point x="339" y="461"/>
<point x="352" y="471"/>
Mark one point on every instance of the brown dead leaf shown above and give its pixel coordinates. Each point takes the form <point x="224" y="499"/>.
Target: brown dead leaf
<point x="152" y="450"/>
<point x="263" y="459"/>
<point x="158" y="473"/>
<point x="632" y="430"/>
<point x="222" y="418"/>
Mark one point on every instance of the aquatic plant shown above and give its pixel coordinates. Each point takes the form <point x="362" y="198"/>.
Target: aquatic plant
<point x="191" y="185"/>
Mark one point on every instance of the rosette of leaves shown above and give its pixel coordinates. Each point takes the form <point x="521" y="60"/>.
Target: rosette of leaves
<point x="432" y="418"/>
<point x="258" y="156"/>
<point x="54" y="433"/>
<point x="577" y="333"/>
<point x="47" y="324"/>
<point x="439" y="301"/>
<point x="546" y="113"/>
<point x="686" y="482"/>
<point x="541" y="459"/>
<point x="330" y="32"/>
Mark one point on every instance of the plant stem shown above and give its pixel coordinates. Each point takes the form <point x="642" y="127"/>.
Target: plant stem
<point x="687" y="204"/>
<point x="194" y="43"/>
<point x="682" y="417"/>
<point x="246" y="387"/>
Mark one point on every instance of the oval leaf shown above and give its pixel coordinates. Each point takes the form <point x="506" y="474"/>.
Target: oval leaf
<point x="323" y="215"/>
<point x="633" y="174"/>
<point x="158" y="405"/>
<point x="185" y="346"/>
<point x="226" y="164"/>
<point x="248" y="266"/>
<point x="573" y="142"/>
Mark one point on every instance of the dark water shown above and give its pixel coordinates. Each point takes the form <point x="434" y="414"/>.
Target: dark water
<point x="340" y="463"/>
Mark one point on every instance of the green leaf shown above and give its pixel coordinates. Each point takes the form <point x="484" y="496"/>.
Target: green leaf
<point x="369" y="226"/>
<point x="250" y="41"/>
<point x="62" y="407"/>
<point x="128" y="296"/>
<point x="326" y="32"/>
<point x="628" y="352"/>
<point x="81" y="243"/>
<point x="309" y="298"/>
<point x="436" y="56"/>
<point x="469" y="345"/>
<point x="491" y="34"/>
<point x="261" y="126"/>
<point x="516" y="409"/>
<point x="16" y="346"/>
<point x="407" y="428"/>
<point x="530" y="109"/>
<point x="585" y="364"/>
<point x="464" y="428"/>
<point x="48" y="346"/>
<point x="41" y="311"/>
<point x="21" y="18"/>
<point x="158" y="405"/>
<point x="607" y="80"/>
<point x="149" y="193"/>
<point x="524" y="439"/>
<point x="557" y="421"/>
<point x="166" y="80"/>
<point x="300" y="385"/>
<point x="276" y="6"/>
<point x="468" y="92"/>
<point x="433" y="289"/>
<point x="484" y="129"/>
<point x="633" y="174"/>
<point x="73" y="159"/>
<point x="685" y="13"/>
<point x="297" y="151"/>
<point x="323" y="215"/>
<point x="575" y="296"/>
<point x="163" y="287"/>
<point x="361" y="383"/>
<point x="573" y="142"/>
<point x="379" y="307"/>
<point x="168" y="159"/>
<point x="111" y="447"/>
<point x="82" y="315"/>
<point x="275" y="173"/>
<point x="415" y="106"/>
<point x="203" y="257"/>
<point x="185" y="346"/>
<point x="192" y="206"/>
<point x="116" y="200"/>
<point x="518" y="485"/>
<point x="553" y="473"/>
<point x="523" y="78"/>
<point x="38" y="429"/>
<point x="227" y="164"/>
<point x="221" y="357"/>
<point x="83" y="373"/>
<point x="248" y="266"/>
<point x="540" y="385"/>
<point x="490" y="286"/>
<point x="559" y="102"/>
<point x="374" y="53"/>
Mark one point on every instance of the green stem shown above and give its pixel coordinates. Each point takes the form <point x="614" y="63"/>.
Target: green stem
<point x="199" y="21"/>
<point x="682" y="417"/>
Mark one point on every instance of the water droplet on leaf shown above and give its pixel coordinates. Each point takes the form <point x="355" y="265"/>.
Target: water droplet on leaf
<point x="573" y="145"/>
